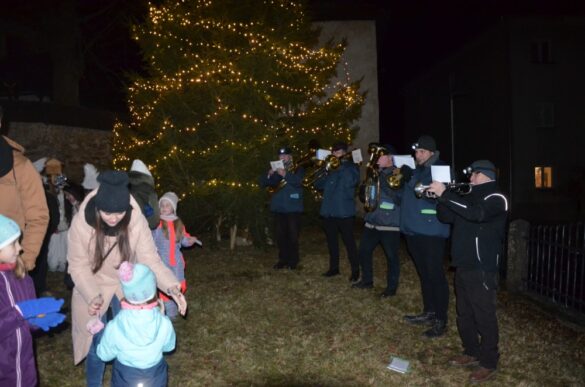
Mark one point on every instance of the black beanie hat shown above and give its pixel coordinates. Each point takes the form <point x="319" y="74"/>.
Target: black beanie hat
<point x="425" y="142"/>
<point x="113" y="194"/>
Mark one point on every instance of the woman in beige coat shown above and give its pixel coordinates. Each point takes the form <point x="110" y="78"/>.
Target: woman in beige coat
<point x="108" y="229"/>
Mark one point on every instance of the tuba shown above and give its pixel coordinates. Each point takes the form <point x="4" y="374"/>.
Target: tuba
<point x="369" y="191"/>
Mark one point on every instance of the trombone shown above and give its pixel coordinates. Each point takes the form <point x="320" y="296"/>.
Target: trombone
<point x="421" y="190"/>
<point x="304" y="161"/>
<point x="323" y="167"/>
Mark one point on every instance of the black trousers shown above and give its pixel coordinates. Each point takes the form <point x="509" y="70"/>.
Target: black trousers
<point x="427" y="253"/>
<point x="476" y="315"/>
<point x="343" y="226"/>
<point x="390" y="241"/>
<point x="287" y="228"/>
<point x="39" y="273"/>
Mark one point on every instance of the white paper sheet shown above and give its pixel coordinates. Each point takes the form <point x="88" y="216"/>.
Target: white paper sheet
<point x="278" y="164"/>
<point x="400" y="160"/>
<point x="441" y="173"/>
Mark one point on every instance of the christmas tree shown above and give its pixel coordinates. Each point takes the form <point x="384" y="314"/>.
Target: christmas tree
<point x="229" y="82"/>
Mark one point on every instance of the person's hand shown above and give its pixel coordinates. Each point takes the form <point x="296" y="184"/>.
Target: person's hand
<point x="281" y="171"/>
<point x="179" y="298"/>
<point x="95" y="305"/>
<point x="437" y="188"/>
<point x="270" y="172"/>
<point x="406" y="172"/>
<point x="47" y="321"/>
<point x="191" y="240"/>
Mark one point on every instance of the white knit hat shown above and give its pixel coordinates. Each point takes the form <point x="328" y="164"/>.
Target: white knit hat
<point x="90" y="177"/>
<point x="9" y="231"/>
<point x="40" y="164"/>
<point x="172" y="198"/>
<point x="139" y="166"/>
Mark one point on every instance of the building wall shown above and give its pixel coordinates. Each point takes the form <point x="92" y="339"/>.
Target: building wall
<point x="560" y="83"/>
<point x="360" y="61"/>
<point x="497" y="92"/>
<point x="74" y="146"/>
<point x="462" y="103"/>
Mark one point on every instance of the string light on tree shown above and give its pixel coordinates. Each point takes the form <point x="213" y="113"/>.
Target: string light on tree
<point x="230" y="81"/>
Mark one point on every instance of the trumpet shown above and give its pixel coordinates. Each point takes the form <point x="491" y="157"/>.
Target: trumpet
<point x="331" y="163"/>
<point x="421" y="190"/>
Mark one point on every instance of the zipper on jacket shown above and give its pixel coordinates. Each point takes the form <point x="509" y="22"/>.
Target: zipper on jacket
<point x="477" y="249"/>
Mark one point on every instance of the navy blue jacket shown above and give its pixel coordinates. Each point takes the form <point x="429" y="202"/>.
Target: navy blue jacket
<point x="419" y="216"/>
<point x="479" y="226"/>
<point x="290" y="197"/>
<point x="387" y="214"/>
<point x="338" y="188"/>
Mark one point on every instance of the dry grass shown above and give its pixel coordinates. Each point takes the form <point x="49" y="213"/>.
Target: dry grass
<point x="249" y="325"/>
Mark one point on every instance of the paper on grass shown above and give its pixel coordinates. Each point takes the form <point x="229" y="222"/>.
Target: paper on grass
<point x="278" y="164"/>
<point x="400" y="160"/>
<point x="399" y="365"/>
<point x="441" y="173"/>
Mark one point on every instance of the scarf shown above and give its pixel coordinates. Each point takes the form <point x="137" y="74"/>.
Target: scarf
<point x="127" y="305"/>
<point x="5" y="266"/>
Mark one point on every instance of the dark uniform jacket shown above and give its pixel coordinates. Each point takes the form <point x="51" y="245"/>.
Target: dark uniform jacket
<point x="419" y="216"/>
<point x="479" y="226"/>
<point x="339" y="191"/>
<point x="290" y="197"/>
<point x="387" y="214"/>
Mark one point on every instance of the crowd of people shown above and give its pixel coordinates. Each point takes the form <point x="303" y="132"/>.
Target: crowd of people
<point x="119" y="245"/>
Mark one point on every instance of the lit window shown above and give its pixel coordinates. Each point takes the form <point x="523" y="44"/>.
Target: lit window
<point x="543" y="177"/>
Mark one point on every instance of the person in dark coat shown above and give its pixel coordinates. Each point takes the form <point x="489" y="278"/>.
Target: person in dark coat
<point x="426" y="238"/>
<point x="287" y="205"/>
<point x="479" y="230"/>
<point x="338" y="210"/>
<point x="142" y="189"/>
<point x="382" y="226"/>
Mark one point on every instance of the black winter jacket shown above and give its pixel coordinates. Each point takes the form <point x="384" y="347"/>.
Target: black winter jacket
<point x="479" y="226"/>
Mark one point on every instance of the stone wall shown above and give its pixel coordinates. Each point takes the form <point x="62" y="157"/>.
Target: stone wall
<point x="73" y="146"/>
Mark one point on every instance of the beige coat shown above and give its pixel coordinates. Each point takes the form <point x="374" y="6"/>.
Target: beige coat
<point x="105" y="281"/>
<point x="22" y="198"/>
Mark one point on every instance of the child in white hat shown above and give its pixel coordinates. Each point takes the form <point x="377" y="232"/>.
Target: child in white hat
<point x="139" y="334"/>
<point x="169" y="237"/>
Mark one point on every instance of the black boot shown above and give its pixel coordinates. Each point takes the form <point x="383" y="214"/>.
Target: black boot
<point x="355" y="275"/>
<point x="330" y="273"/>
<point x="437" y="329"/>
<point x="363" y="285"/>
<point x="420" y="319"/>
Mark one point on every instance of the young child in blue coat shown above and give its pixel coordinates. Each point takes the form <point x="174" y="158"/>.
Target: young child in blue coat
<point x="139" y="334"/>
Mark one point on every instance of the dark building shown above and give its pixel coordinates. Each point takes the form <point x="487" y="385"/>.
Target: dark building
<point x="516" y="96"/>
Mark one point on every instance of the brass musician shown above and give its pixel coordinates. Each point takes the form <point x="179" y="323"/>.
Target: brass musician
<point x="286" y="202"/>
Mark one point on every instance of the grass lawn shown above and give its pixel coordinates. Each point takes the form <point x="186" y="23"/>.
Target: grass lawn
<point x="249" y="325"/>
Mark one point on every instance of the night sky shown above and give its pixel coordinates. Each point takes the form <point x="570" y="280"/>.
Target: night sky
<point x="412" y="36"/>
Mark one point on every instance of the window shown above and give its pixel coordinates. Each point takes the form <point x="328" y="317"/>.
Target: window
<point x="542" y="177"/>
<point x="545" y="115"/>
<point x="541" y="52"/>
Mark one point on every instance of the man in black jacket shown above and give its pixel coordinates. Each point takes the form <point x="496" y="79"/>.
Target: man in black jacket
<point x="479" y="227"/>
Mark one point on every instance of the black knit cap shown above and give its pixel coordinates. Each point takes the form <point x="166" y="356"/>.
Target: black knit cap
<point x="425" y="142"/>
<point x="113" y="194"/>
